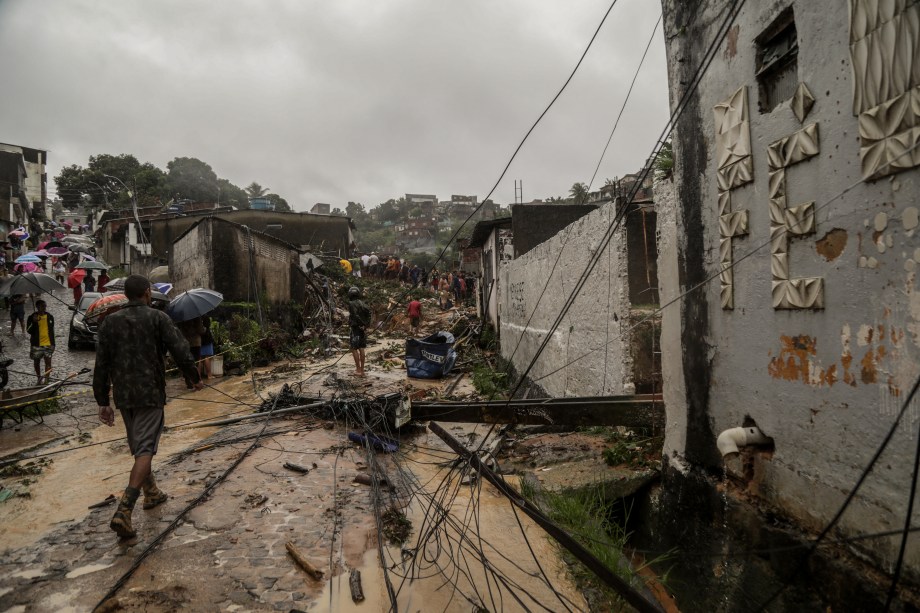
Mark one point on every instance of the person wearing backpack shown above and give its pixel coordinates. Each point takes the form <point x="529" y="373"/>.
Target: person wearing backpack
<point x="359" y="318"/>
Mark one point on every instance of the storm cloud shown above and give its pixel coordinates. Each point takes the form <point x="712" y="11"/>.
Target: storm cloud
<point x="337" y="101"/>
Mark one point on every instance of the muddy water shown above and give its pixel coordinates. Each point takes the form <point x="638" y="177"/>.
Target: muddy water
<point x="488" y="520"/>
<point x="79" y="478"/>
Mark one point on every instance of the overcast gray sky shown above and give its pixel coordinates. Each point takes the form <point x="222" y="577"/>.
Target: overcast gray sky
<point x="337" y="100"/>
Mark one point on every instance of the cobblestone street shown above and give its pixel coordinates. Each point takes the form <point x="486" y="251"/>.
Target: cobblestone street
<point x="64" y="362"/>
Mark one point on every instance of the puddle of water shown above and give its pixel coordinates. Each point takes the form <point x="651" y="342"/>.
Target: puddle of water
<point x="425" y="589"/>
<point x="28" y="574"/>
<point x="375" y="595"/>
<point x="60" y="602"/>
<point x="85" y="570"/>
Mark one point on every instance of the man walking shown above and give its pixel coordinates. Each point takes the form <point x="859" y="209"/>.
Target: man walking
<point x="359" y="318"/>
<point x="415" y="314"/>
<point x="41" y="338"/>
<point x="132" y="346"/>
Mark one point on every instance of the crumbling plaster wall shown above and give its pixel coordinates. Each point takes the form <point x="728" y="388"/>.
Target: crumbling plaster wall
<point x="190" y="260"/>
<point x="826" y="381"/>
<point x="673" y="390"/>
<point x="596" y="326"/>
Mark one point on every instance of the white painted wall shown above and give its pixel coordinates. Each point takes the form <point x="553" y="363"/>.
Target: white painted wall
<point x="588" y="354"/>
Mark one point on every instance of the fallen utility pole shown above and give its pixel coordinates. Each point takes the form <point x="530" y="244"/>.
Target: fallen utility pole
<point x="233" y="420"/>
<point x="622" y="587"/>
<point x="636" y="411"/>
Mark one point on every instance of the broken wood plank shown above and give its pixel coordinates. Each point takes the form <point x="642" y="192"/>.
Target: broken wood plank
<point x="354" y="582"/>
<point x="297" y="468"/>
<point x="643" y="411"/>
<point x="255" y="416"/>
<point x="303" y="562"/>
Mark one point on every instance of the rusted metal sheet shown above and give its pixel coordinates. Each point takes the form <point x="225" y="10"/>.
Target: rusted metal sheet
<point x="635" y="411"/>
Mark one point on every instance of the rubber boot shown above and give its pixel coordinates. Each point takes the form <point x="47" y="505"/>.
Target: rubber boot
<point x="121" y="521"/>
<point x="153" y="495"/>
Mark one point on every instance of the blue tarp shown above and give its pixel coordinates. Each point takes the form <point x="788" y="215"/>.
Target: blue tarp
<point x="432" y="357"/>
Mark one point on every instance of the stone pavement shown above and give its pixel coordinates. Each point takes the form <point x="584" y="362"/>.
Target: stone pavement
<point x="229" y="553"/>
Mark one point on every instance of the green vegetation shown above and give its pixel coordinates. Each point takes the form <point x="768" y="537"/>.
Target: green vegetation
<point x="584" y="515"/>
<point x="491" y="381"/>
<point x="664" y="161"/>
<point x="184" y="177"/>
<point x="634" y="451"/>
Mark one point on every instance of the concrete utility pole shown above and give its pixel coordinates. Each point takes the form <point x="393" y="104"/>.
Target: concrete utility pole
<point x="105" y="193"/>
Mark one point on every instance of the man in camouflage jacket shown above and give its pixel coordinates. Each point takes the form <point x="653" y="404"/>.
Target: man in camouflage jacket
<point x="131" y="348"/>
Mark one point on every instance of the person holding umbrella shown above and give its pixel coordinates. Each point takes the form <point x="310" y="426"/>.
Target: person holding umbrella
<point x="17" y="313"/>
<point x="131" y="347"/>
<point x="59" y="269"/>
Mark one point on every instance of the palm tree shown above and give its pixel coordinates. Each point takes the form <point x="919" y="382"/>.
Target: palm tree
<point x="255" y="190"/>
<point x="579" y="193"/>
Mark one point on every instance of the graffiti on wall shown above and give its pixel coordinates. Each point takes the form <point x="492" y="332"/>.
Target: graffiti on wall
<point x="517" y="305"/>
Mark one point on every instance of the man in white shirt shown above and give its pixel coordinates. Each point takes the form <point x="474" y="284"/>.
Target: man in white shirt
<point x="373" y="262"/>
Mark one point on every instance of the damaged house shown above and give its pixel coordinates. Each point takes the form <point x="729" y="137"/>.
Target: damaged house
<point x="241" y="263"/>
<point x="791" y="250"/>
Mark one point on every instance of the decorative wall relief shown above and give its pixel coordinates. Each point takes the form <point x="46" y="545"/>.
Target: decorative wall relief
<point x="885" y="53"/>
<point x="735" y="168"/>
<point x="785" y="221"/>
<point x="802" y="101"/>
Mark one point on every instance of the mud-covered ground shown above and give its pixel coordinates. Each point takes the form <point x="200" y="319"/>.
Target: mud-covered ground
<point x="227" y="550"/>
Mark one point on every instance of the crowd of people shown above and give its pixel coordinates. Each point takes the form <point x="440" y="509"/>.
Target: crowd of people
<point x="451" y="287"/>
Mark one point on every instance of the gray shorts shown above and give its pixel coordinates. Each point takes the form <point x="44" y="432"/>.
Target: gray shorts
<point x="144" y="427"/>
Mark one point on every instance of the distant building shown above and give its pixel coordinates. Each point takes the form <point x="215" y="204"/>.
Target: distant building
<point x="428" y="203"/>
<point x="321" y="208"/>
<point x="24" y="183"/>
<point x="261" y="204"/>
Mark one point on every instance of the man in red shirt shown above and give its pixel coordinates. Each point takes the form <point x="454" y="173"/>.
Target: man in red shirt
<point x="415" y="314"/>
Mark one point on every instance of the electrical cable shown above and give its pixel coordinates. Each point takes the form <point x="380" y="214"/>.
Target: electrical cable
<point x="735" y="262"/>
<point x="892" y="589"/>
<point x="851" y="495"/>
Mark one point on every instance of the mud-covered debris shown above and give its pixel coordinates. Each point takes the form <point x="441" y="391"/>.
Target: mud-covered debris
<point x="297" y="468"/>
<point x="396" y="526"/>
<point x="364" y="479"/>
<point x="303" y="562"/>
<point x="110" y="499"/>
<point x="255" y="500"/>
<point x="354" y="583"/>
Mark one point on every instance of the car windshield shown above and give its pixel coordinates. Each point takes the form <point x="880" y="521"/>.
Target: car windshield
<point x="87" y="300"/>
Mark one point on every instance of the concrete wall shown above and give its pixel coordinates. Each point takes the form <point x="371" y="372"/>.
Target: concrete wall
<point x="320" y="232"/>
<point x="597" y="324"/>
<point x="189" y="261"/>
<point x="825" y="381"/>
<point x="216" y="255"/>
<point x="534" y="223"/>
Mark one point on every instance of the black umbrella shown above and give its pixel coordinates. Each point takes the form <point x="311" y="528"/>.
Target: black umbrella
<point x="29" y="283"/>
<point x="193" y="303"/>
